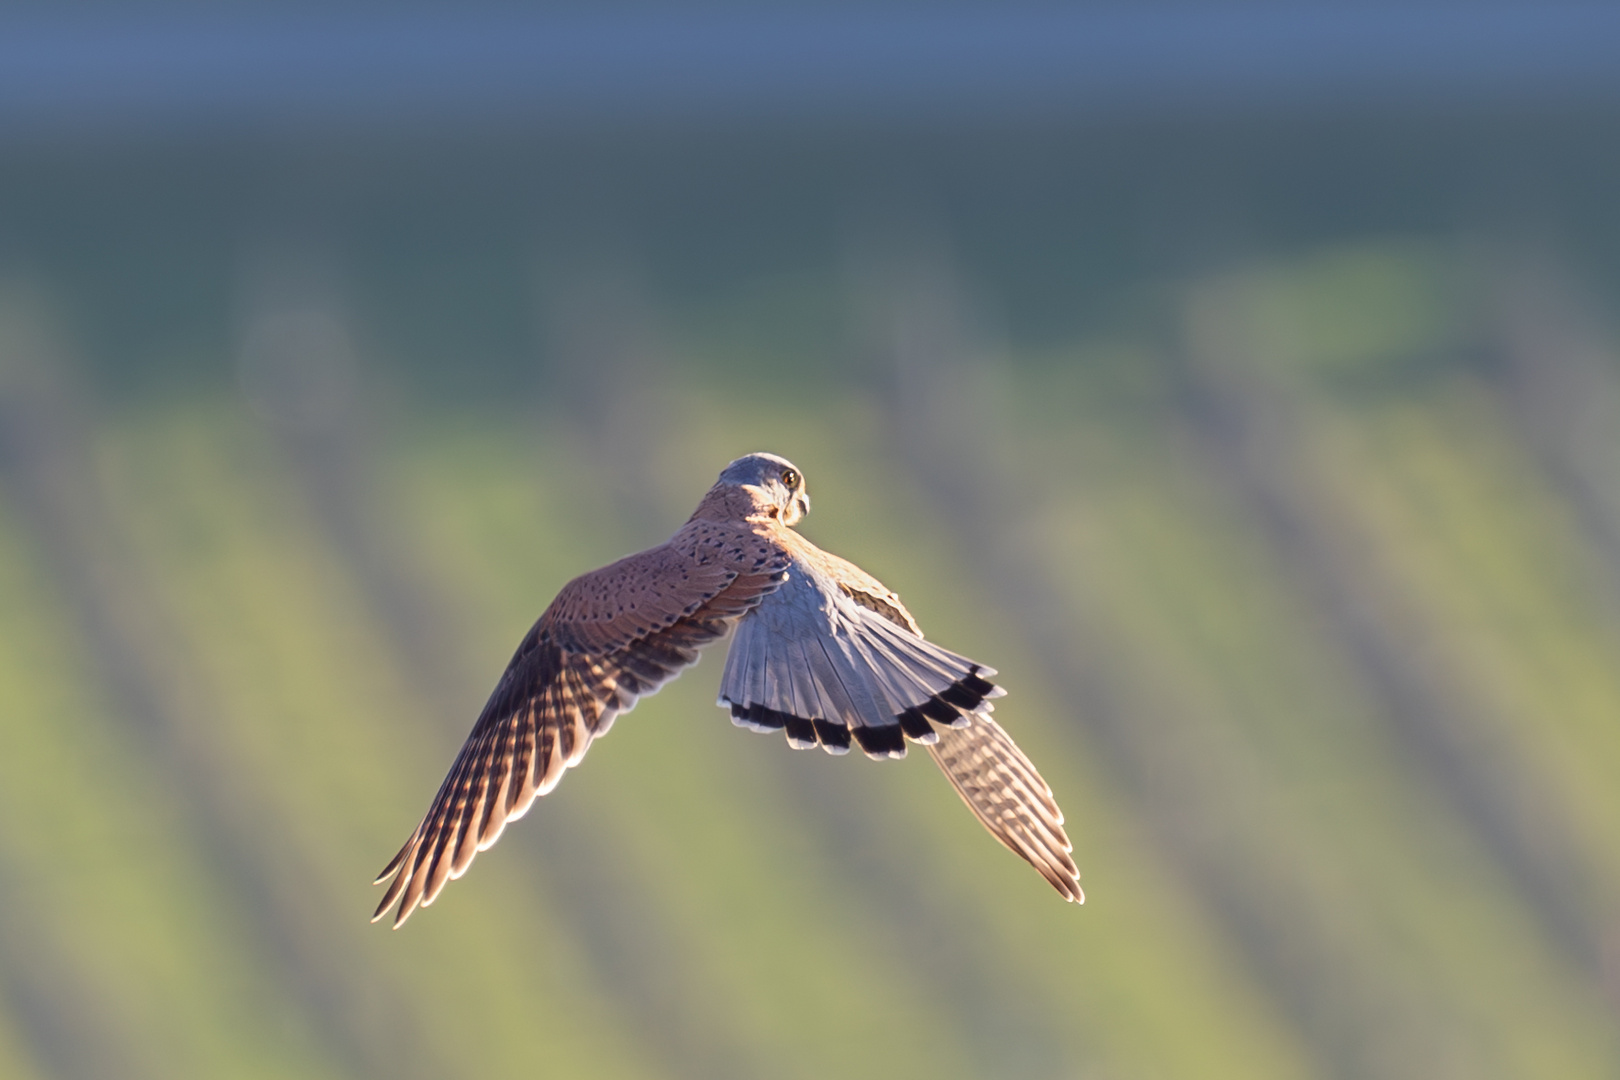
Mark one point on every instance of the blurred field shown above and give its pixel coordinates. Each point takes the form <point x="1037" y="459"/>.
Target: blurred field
<point x="1274" y="462"/>
<point x="1309" y="615"/>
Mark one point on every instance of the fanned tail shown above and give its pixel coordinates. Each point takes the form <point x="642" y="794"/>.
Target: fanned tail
<point x="832" y="678"/>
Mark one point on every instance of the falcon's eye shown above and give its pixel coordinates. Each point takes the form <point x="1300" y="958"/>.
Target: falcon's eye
<point x="790" y="478"/>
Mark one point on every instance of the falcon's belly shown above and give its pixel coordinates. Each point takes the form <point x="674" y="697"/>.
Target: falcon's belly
<point x="811" y="662"/>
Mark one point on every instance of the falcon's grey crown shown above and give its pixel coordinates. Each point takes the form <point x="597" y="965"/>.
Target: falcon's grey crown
<point x="777" y="477"/>
<point x="756" y="469"/>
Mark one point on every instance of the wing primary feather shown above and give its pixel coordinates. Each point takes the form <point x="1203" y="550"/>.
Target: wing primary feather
<point x="521" y="791"/>
<point x="395" y="887"/>
<point x="399" y="857"/>
<point x="610" y="637"/>
<point x="453" y="821"/>
<point x="567" y="731"/>
<point x="493" y="780"/>
<point x="398" y="884"/>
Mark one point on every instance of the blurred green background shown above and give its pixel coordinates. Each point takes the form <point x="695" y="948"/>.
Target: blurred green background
<point x="1270" y="449"/>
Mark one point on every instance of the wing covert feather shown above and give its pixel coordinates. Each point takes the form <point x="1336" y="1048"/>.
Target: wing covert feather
<point x="858" y="585"/>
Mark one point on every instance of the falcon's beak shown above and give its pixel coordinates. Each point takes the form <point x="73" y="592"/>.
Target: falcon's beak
<point x="797" y="506"/>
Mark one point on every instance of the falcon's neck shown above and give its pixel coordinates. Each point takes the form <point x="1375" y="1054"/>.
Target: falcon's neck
<point x="736" y="504"/>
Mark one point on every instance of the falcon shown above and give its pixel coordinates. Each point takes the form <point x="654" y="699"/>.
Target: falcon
<point x="822" y="652"/>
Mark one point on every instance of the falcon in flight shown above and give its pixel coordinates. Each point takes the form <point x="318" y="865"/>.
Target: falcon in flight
<point x="823" y="652"/>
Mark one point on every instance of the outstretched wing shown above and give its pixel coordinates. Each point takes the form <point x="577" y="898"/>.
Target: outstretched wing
<point x="1002" y="788"/>
<point x="610" y="637"/>
<point x="836" y="655"/>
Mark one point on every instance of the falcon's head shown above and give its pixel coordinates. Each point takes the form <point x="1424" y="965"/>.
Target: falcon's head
<point x="773" y="482"/>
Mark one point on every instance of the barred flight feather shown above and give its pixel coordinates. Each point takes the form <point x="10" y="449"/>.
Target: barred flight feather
<point x="1006" y="794"/>
<point x="549" y="706"/>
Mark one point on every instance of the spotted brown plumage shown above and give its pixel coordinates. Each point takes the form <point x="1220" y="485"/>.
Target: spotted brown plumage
<point x="823" y="652"/>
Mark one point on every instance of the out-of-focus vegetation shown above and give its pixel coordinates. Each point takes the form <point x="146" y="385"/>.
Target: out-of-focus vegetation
<point x="1276" y="467"/>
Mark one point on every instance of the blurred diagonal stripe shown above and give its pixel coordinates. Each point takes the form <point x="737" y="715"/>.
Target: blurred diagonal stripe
<point x="46" y="462"/>
<point x="1557" y="371"/>
<point x="1211" y="791"/>
<point x="1254" y="419"/>
<point x="131" y="72"/>
<point x="1559" y="377"/>
<point x="1179" y="796"/>
<point x="1252" y="427"/>
<point x="56" y="1014"/>
<point x="331" y="445"/>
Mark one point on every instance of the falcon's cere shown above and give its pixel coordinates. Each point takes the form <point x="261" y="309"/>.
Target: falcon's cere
<point x="823" y="652"/>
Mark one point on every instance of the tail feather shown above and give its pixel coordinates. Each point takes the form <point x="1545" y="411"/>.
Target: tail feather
<point x="823" y="694"/>
<point x="848" y="694"/>
<point x="897" y="687"/>
<point x="936" y="666"/>
<point x="855" y="686"/>
<point x="744" y="677"/>
<point x="803" y="696"/>
<point x="756" y="677"/>
<point x="847" y="674"/>
<point x="884" y="671"/>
